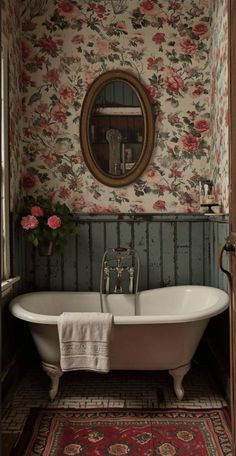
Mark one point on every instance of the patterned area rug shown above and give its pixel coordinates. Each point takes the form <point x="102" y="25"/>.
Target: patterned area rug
<point x="71" y="432"/>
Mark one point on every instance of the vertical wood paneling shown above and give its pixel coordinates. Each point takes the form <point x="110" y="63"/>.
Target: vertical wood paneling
<point x="206" y="253"/>
<point x="172" y="252"/>
<point x="56" y="273"/>
<point x="83" y="266"/>
<point x="112" y="237"/>
<point x="168" y="256"/>
<point x="125" y="234"/>
<point x="140" y="245"/>
<point x="154" y="247"/>
<point x="70" y="264"/>
<point x="182" y="253"/>
<point x="197" y="253"/>
<point x="98" y="248"/>
<point x="42" y="272"/>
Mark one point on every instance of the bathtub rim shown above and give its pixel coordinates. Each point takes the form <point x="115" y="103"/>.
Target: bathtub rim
<point x="17" y="310"/>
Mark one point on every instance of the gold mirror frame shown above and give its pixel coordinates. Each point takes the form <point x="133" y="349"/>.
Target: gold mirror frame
<point x="148" y="136"/>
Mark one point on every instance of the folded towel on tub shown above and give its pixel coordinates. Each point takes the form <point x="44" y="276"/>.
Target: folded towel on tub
<point x="84" y="340"/>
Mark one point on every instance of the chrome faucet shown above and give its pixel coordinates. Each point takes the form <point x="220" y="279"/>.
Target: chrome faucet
<point x="115" y="263"/>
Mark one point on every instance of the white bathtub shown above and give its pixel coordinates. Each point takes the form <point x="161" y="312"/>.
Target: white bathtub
<point x="164" y="333"/>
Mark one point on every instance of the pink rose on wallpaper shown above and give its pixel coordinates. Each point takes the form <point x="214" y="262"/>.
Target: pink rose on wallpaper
<point x="78" y="39"/>
<point x="66" y="8"/>
<point x="52" y="76"/>
<point x="120" y="25"/>
<point x="174" y="172"/>
<point x="37" y="211"/>
<point x="200" y="29"/>
<point x="99" y="9"/>
<point x="54" y="222"/>
<point x="148" y="7"/>
<point x="47" y="44"/>
<point x="187" y="45"/>
<point x="48" y="159"/>
<point x="174" y="119"/>
<point x="159" y="38"/>
<point x="67" y="94"/>
<point x="42" y="108"/>
<point x="64" y="192"/>
<point x="159" y="205"/>
<point x="196" y="90"/>
<point x="175" y="6"/>
<point x="139" y="39"/>
<point x="102" y="47"/>
<point x="202" y="126"/>
<point x="174" y="83"/>
<point x="59" y="113"/>
<point x="151" y="62"/>
<point x="151" y="173"/>
<point x="152" y="90"/>
<point x="29" y="180"/>
<point x="78" y="203"/>
<point x="25" y="79"/>
<point x="25" y="50"/>
<point x="189" y="143"/>
<point x="29" y="222"/>
<point x="53" y="130"/>
<point x="165" y="188"/>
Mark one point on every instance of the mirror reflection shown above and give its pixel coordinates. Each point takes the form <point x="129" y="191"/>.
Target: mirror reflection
<point x="116" y="128"/>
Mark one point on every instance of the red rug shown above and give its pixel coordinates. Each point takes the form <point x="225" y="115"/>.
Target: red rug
<point x="71" y="432"/>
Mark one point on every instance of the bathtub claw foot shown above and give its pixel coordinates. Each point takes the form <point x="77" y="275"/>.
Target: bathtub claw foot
<point x="178" y="375"/>
<point x="54" y="373"/>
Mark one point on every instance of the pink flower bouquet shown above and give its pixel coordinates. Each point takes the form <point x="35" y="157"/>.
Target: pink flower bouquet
<point x="45" y="222"/>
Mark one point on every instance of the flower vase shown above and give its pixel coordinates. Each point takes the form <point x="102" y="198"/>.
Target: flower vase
<point x="45" y="248"/>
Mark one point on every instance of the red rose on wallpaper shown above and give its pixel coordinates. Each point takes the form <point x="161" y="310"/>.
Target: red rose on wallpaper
<point x="59" y="113"/>
<point x="67" y="93"/>
<point x="29" y="180"/>
<point x="25" y="50"/>
<point x="174" y="83"/>
<point x="187" y="45"/>
<point x="189" y="143"/>
<point x="66" y="8"/>
<point x="159" y="38"/>
<point x="175" y="6"/>
<point x="200" y="29"/>
<point x="174" y="172"/>
<point x="202" y="126"/>
<point x="52" y="76"/>
<point x="147" y="7"/>
<point x="47" y="44"/>
<point x="159" y="205"/>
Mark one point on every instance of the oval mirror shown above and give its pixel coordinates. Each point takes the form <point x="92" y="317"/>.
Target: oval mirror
<point x="116" y="128"/>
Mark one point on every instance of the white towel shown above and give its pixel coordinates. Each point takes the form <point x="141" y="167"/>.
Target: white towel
<point x="84" y="340"/>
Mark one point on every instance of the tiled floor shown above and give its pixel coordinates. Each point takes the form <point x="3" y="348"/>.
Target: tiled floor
<point x="116" y="389"/>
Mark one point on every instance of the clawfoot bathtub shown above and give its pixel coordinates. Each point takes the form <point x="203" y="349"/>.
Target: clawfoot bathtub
<point x="161" y="333"/>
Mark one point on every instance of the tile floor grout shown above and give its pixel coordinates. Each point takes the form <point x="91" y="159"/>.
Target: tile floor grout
<point x="124" y="389"/>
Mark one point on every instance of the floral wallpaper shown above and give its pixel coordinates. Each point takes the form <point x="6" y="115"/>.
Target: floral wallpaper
<point x="219" y="102"/>
<point x="66" y="44"/>
<point x="11" y="29"/>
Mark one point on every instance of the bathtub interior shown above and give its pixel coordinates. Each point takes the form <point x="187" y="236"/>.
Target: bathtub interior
<point x="182" y="303"/>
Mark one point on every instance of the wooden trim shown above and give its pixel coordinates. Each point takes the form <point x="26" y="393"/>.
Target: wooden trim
<point x="148" y="136"/>
<point x="232" y="172"/>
